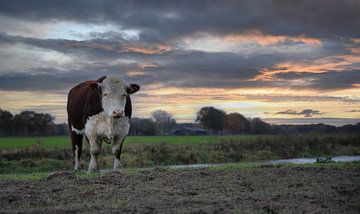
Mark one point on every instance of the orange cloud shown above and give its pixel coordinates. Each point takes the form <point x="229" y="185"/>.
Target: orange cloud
<point x="135" y="73"/>
<point x="335" y="63"/>
<point x="153" y="49"/>
<point x="156" y="49"/>
<point x="243" y="43"/>
<point x="265" y="40"/>
<point x="146" y="65"/>
<point x="93" y="45"/>
<point x="356" y="40"/>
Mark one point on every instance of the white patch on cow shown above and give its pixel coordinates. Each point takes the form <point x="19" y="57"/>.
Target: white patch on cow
<point x="77" y="131"/>
<point x="101" y="125"/>
<point x="77" y="161"/>
<point x="113" y="91"/>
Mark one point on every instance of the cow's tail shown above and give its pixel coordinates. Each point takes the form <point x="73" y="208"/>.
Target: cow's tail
<point x="76" y="141"/>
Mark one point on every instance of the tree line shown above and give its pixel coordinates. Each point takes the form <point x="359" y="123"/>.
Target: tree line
<point x="214" y="121"/>
<point x="219" y="122"/>
<point x="29" y="123"/>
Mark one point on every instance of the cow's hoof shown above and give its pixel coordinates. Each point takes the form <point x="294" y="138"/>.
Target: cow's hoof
<point x="93" y="170"/>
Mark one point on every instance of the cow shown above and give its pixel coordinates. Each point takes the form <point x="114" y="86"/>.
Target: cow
<point x="100" y="110"/>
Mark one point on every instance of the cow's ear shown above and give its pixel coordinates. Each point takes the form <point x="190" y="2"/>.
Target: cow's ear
<point x="132" y="88"/>
<point x="95" y="87"/>
<point x="101" y="79"/>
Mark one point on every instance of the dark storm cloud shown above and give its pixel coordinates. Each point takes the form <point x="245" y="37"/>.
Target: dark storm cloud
<point x="95" y="47"/>
<point x="40" y="82"/>
<point x="50" y="79"/>
<point x="195" y="69"/>
<point x="326" y="80"/>
<point x="305" y="112"/>
<point x="213" y="70"/>
<point x="162" y="20"/>
<point x="173" y="67"/>
<point x="183" y="68"/>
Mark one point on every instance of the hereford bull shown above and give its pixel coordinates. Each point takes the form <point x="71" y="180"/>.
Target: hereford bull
<point x="99" y="110"/>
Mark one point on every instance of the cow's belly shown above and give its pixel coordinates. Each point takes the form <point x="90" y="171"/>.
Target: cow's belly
<point x="101" y="125"/>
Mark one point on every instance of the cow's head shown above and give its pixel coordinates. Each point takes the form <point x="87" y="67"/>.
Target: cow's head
<point x="113" y="92"/>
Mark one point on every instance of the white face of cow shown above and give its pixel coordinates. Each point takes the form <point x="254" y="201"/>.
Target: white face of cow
<point x="113" y="95"/>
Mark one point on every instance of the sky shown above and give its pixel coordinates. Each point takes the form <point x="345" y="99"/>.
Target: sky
<point x="285" y="61"/>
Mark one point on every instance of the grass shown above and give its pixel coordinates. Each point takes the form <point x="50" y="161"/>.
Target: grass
<point x="64" y="141"/>
<point x="23" y="142"/>
<point x="48" y="154"/>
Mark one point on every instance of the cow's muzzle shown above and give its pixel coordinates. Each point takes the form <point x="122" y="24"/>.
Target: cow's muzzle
<point x="117" y="114"/>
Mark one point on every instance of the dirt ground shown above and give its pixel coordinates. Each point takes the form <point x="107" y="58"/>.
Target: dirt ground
<point x="256" y="190"/>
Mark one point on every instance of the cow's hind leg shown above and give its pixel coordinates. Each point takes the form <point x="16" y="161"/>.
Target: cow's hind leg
<point x="116" y="150"/>
<point x="76" y="140"/>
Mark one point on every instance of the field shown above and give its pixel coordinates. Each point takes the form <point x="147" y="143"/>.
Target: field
<point x="43" y="154"/>
<point x="29" y="184"/>
<point x="64" y="141"/>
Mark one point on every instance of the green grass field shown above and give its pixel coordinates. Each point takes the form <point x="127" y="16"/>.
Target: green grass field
<point x="64" y="141"/>
<point x="17" y="155"/>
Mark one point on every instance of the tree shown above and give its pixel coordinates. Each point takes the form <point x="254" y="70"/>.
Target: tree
<point x="139" y="126"/>
<point x="32" y="123"/>
<point x="5" y="123"/>
<point x="164" y="121"/>
<point x="212" y="118"/>
<point x="237" y="123"/>
<point x="257" y="126"/>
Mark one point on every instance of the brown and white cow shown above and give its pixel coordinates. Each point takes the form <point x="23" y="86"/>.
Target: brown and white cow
<point x="99" y="110"/>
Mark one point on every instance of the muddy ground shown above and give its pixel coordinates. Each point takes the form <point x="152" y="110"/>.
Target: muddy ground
<point x="256" y="190"/>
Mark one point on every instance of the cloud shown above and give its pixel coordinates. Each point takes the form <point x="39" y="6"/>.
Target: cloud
<point x="265" y="52"/>
<point x="305" y="112"/>
<point x="356" y="110"/>
<point x="163" y="20"/>
<point x="297" y="121"/>
<point x="169" y="66"/>
<point x="327" y="80"/>
<point x="120" y="46"/>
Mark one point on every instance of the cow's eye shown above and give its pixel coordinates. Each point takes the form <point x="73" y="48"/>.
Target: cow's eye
<point x="124" y="95"/>
<point x="105" y="94"/>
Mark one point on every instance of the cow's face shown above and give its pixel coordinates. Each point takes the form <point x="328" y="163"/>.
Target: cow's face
<point x="113" y="93"/>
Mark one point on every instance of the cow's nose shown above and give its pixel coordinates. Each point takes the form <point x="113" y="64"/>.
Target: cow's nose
<point x="117" y="114"/>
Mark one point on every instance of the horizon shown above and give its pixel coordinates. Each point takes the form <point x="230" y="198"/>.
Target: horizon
<point x="285" y="62"/>
<point x="272" y="121"/>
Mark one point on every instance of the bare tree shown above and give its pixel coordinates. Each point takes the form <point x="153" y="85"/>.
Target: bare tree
<point x="164" y="121"/>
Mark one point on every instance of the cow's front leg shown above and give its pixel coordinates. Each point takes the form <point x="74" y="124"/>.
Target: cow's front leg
<point x="116" y="150"/>
<point x="95" y="146"/>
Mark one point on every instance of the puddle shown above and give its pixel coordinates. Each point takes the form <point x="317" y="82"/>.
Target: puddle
<point x="282" y="161"/>
<point x="313" y="160"/>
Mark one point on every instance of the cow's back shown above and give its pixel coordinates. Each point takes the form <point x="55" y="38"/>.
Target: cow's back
<point x="82" y="103"/>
